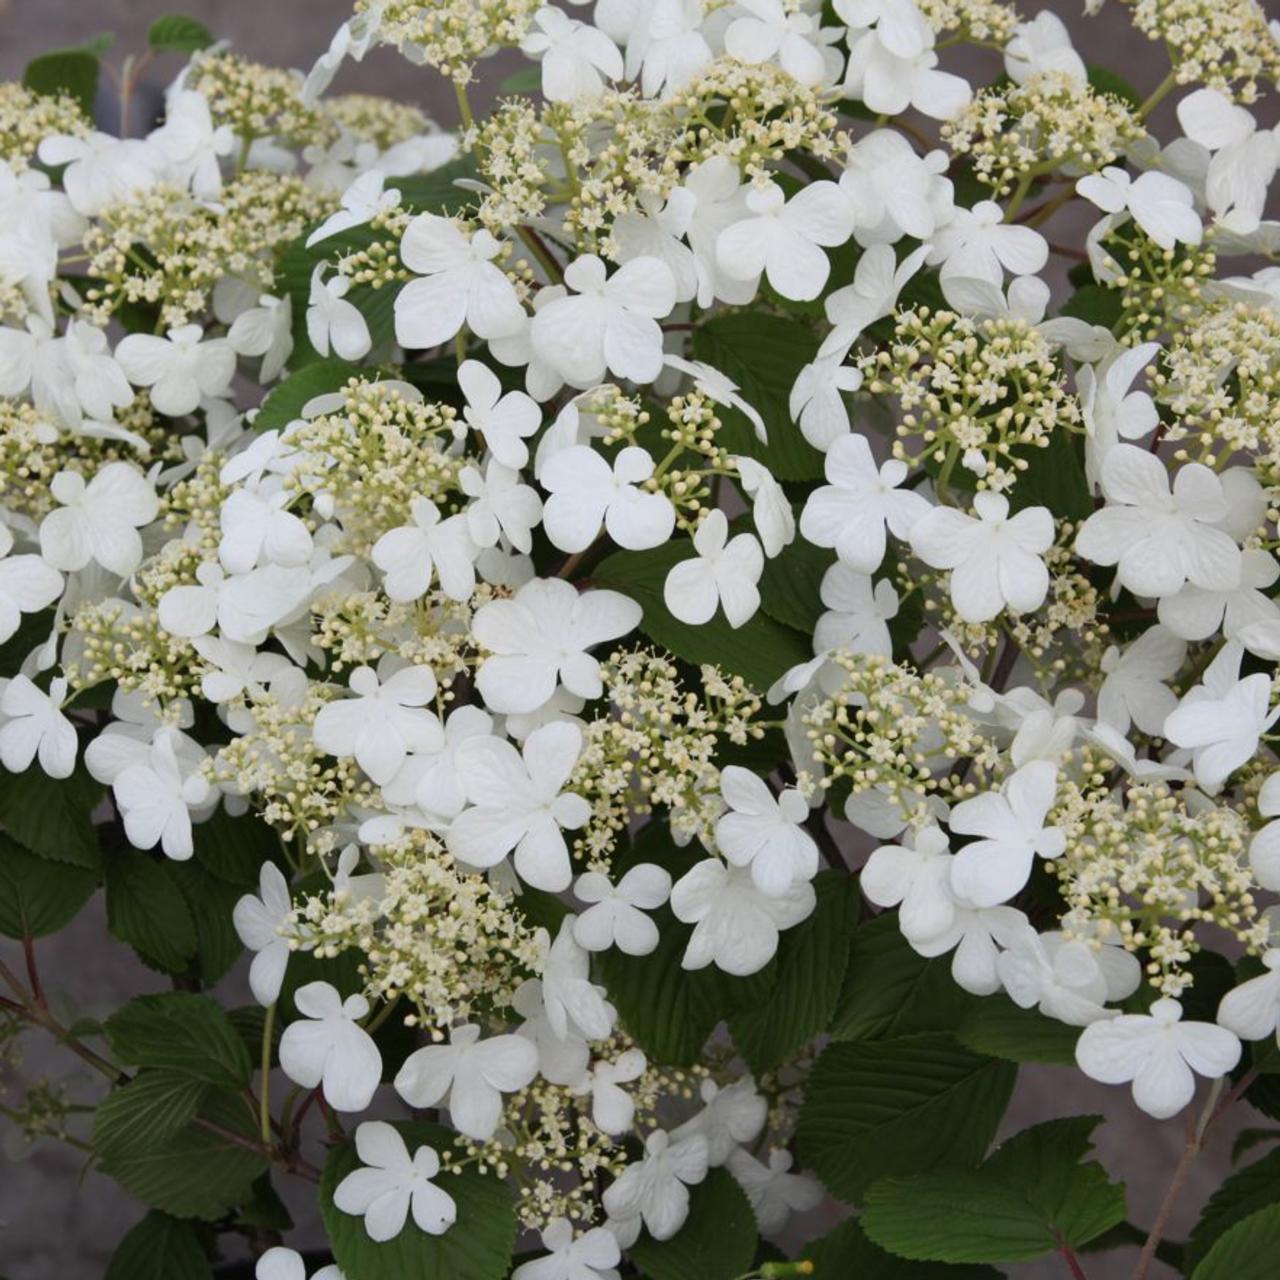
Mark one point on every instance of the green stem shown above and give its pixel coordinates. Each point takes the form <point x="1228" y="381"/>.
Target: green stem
<point x="1158" y="95"/>
<point x="264" y="1095"/>
<point x="464" y="105"/>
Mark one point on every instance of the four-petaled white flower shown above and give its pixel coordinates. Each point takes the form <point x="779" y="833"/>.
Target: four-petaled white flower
<point x="655" y="1189"/>
<point x="267" y="331"/>
<point x="888" y="84"/>
<point x="995" y="560"/>
<point x="730" y="1116"/>
<point x="915" y="878"/>
<point x="576" y="58"/>
<point x="616" y="914"/>
<point x="1159" y="1053"/>
<point x="390" y="1183"/>
<point x="587" y="492"/>
<point x="500" y="506"/>
<point x="764" y="832"/>
<point x="774" y="1191"/>
<point x="978" y="244"/>
<point x="32" y="726"/>
<point x="1135" y="690"/>
<point x="361" y="202"/>
<point x="181" y="369"/>
<point x="327" y="1048"/>
<point x="27" y="585"/>
<point x="260" y="920"/>
<point x="504" y="422"/>
<point x="1252" y="1010"/>
<point x="574" y="1006"/>
<point x="769" y="31"/>
<point x="279" y="1263"/>
<point x="593" y="1255"/>
<point x="1065" y="978"/>
<point x="157" y="794"/>
<point x="98" y="521"/>
<point x="1161" y="205"/>
<point x="469" y="1076"/>
<point x="723" y="574"/>
<point x="432" y="546"/>
<point x="1222" y="732"/>
<point x="332" y="321"/>
<point x="612" y="1108"/>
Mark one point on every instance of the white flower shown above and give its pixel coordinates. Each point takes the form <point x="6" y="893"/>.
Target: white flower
<point x="561" y="1060"/>
<point x="877" y="281"/>
<point x="771" y="511"/>
<point x="889" y="84"/>
<point x="719" y="201"/>
<point x="765" y="833"/>
<point x="816" y="401"/>
<point x="469" y="1076"/>
<point x="181" y="369"/>
<point x="977" y="935"/>
<point x="1157" y="1051"/>
<point x="576" y="58"/>
<point x="267" y="331"/>
<point x="612" y="1108"/>
<point x="156" y="795"/>
<point x="102" y="170"/>
<point x="32" y="726"/>
<point x="518" y="802"/>
<point x="665" y="46"/>
<point x="391" y="1182"/>
<point x="98" y="521"/>
<point x="1011" y="823"/>
<point x="724" y="573"/>
<point x="895" y="192"/>
<point x="656" y="1188"/>
<point x="1244" y="160"/>
<point x="994" y="560"/>
<point x="362" y="201"/>
<point x="1162" y="206"/>
<point x="608" y="323"/>
<point x="27" y="585"/>
<point x="616" y="914"/>
<point x="71" y="378"/>
<point x="279" y="1263"/>
<point x="383" y="722"/>
<point x="1067" y="979"/>
<point x="858" y="613"/>
<point x="461" y="285"/>
<point x="1196" y="613"/>
<point x="503" y="421"/>
<point x="774" y="1191"/>
<point x="539" y="638"/>
<point x="328" y="1048"/>
<point x="500" y="505"/>
<point x="716" y="386"/>
<point x="1135" y="688"/>
<point x="656" y="229"/>
<point x="590" y="1256"/>
<point x="575" y="1007"/>
<point x="768" y="31"/>
<point x="332" y="321"/>
<point x="191" y="144"/>
<point x="735" y="925"/>
<point x="1042" y="45"/>
<point x="901" y="26"/>
<point x="587" y="492"/>
<point x="411" y="555"/>
<point x="1222" y="732"/>
<point x="978" y="244"/>
<point x="1111" y="411"/>
<point x="915" y="878"/>
<point x="781" y="238"/>
<point x="730" y="1117"/>
<point x="256" y="527"/>
<point x="260" y="922"/>
<point x="434" y="780"/>
<point x="1158" y="539"/>
<point x="1252" y="1010"/>
<point x="851" y="511"/>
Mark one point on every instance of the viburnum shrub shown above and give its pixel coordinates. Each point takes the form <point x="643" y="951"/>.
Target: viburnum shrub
<point x="685" y="636"/>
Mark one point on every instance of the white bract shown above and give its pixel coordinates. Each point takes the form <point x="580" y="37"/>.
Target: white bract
<point x="390" y="1183"/>
<point x="765" y="833"/>
<point x="593" y="1255"/>
<point x="615" y="916"/>
<point x="260" y="922"/>
<point x="98" y="521"/>
<point x="1162" y="206"/>
<point x="723" y="574"/>
<point x="587" y="492"/>
<point x="327" y="1048"/>
<point x="180" y="369"/>
<point x="33" y="727"/>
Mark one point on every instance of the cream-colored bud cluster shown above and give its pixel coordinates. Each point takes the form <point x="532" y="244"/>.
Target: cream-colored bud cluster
<point x="981" y="21"/>
<point x="1221" y="380"/>
<point x="194" y="504"/>
<point x="1143" y="865"/>
<point x="1067" y="636"/>
<point x="32" y="452"/>
<point x="28" y="117"/>
<point x="451" y="35"/>
<point x="891" y="729"/>
<point x="370" y="118"/>
<point x="516" y="155"/>
<point x="695" y="424"/>
<point x="164" y="248"/>
<point x="257" y="101"/>
<point x="657" y="745"/>
<point x="368" y="461"/>
<point x="1224" y="44"/>
<point x="115" y="640"/>
<point x="971" y="391"/>
<point x="444" y="941"/>
<point x="376" y="262"/>
<point x="1053" y="122"/>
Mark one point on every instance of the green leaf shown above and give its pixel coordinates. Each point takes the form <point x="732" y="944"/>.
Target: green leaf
<point x="889" y="990"/>
<point x="175" y="33"/>
<point x="846" y="1253"/>
<point x="160" y="1248"/>
<point x="70" y="71"/>
<point x="763" y="354"/>
<point x="182" y="1031"/>
<point x="1103" y="80"/>
<point x="1031" y="1197"/>
<point x="285" y="402"/>
<point x="996" y="1026"/>
<point x="1252" y="1188"/>
<point x="38" y="897"/>
<point x="791" y="582"/>
<point x="760" y="651"/>
<point x="809" y="970"/>
<point x="1246" y="1251"/>
<point x="1095" y="304"/>
<point x="52" y="816"/>
<point x="478" y="1248"/>
<point x="1054" y="478"/>
<point x="146" y="1113"/>
<point x="914" y="1103"/>
<point x="717" y="1241"/>
<point x="211" y="902"/>
<point x="234" y="849"/>
<point x="529" y="80"/>
<point x="265" y="1209"/>
<point x="33" y="630"/>
<point x="203" y="1170"/>
<point x="146" y="909"/>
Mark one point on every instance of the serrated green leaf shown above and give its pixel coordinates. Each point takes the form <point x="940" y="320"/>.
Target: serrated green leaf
<point x="1245" y="1251"/>
<point x="846" y="1254"/>
<point x="211" y="902"/>
<point x="478" y="1248"/>
<point x="1095" y="304"/>
<point x="717" y="1241"/>
<point x="37" y="896"/>
<point x="760" y="651"/>
<point x="33" y="630"/>
<point x="160" y="1248"/>
<point x="184" y="1032"/>
<point x="809" y="969"/>
<point x="176" y="33"/>
<point x="203" y="1170"/>
<point x="791" y="582"/>
<point x="1245" y="1192"/>
<point x="146" y="909"/>
<point x="52" y="817"/>
<point x="70" y="71"/>
<point x="146" y="1113"/>
<point x="286" y="400"/>
<point x="234" y="849"/>
<point x="1104" y="80"/>
<point x="996" y="1026"/>
<point x="763" y="354"/>
<point x="877" y="1108"/>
